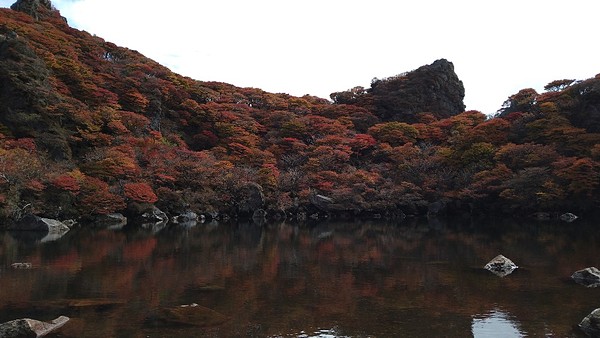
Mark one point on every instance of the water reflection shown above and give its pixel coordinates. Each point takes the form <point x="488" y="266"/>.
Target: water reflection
<point x="495" y="323"/>
<point x="363" y="279"/>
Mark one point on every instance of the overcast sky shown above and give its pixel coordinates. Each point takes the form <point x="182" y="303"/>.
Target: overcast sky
<point x="318" y="47"/>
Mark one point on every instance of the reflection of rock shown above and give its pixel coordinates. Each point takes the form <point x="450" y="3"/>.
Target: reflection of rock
<point x="589" y="277"/>
<point x="542" y="216"/>
<point x="188" y="315"/>
<point x="113" y="221"/>
<point x="46" y="229"/>
<point x="568" y="217"/>
<point x="26" y="327"/>
<point x="591" y="324"/>
<point x="500" y="266"/>
<point x="155" y="227"/>
<point x="35" y="223"/>
<point x="259" y="217"/>
<point x="325" y="235"/>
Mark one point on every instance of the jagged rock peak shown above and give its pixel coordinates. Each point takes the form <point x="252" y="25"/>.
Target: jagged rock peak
<point x="431" y="88"/>
<point x="36" y="8"/>
<point x="434" y="89"/>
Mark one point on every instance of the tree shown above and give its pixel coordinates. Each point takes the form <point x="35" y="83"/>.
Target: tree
<point x="558" y="85"/>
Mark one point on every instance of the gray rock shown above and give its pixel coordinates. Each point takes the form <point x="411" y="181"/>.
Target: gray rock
<point x="591" y="324"/>
<point x="568" y="217"/>
<point x="501" y="266"/>
<point x="54" y="229"/>
<point x="25" y="328"/>
<point x="322" y="202"/>
<point x="155" y="215"/>
<point x="589" y="277"/>
<point x="188" y="219"/>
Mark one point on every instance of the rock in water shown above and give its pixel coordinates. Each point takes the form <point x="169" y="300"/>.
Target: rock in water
<point x="501" y="266"/>
<point x="568" y="217"/>
<point x="591" y="324"/>
<point x="186" y="315"/>
<point x="589" y="277"/>
<point x="25" y="328"/>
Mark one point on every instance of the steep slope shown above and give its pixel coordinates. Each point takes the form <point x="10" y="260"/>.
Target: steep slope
<point x="88" y="128"/>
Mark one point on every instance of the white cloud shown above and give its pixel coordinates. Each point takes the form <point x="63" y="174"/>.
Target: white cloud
<point x="318" y="47"/>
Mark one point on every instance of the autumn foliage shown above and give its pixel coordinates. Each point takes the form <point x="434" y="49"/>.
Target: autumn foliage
<point x="87" y="127"/>
<point x="140" y="192"/>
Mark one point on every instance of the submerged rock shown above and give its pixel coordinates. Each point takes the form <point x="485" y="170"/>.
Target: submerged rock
<point x="568" y="217"/>
<point x="22" y="266"/>
<point x="591" y="324"/>
<point x="25" y="328"/>
<point x="186" y="315"/>
<point x="501" y="266"/>
<point x="589" y="277"/>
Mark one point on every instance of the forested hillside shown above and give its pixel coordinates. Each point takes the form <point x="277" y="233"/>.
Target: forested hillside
<point x="90" y="128"/>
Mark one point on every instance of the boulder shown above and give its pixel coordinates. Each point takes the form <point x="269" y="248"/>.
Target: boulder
<point x="25" y="328"/>
<point x="250" y="198"/>
<point x="591" y="324"/>
<point x="321" y="202"/>
<point x="31" y="222"/>
<point x="155" y="215"/>
<point x="589" y="277"/>
<point x="500" y="266"/>
<point x="186" y="315"/>
<point x="188" y="219"/>
<point x="50" y="229"/>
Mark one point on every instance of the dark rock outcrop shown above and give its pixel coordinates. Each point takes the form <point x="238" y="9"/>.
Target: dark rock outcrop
<point x="500" y="266"/>
<point x="591" y="324"/>
<point x="434" y="89"/>
<point x="589" y="277"/>
<point x="250" y="198"/>
<point x="25" y="328"/>
<point x="37" y="9"/>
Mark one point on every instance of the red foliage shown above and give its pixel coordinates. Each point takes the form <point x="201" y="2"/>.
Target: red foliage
<point x="22" y="143"/>
<point x="35" y="186"/>
<point x="95" y="197"/>
<point x="66" y="182"/>
<point x="140" y="192"/>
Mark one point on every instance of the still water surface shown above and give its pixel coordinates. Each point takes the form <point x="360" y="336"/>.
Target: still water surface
<point x="354" y="279"/>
